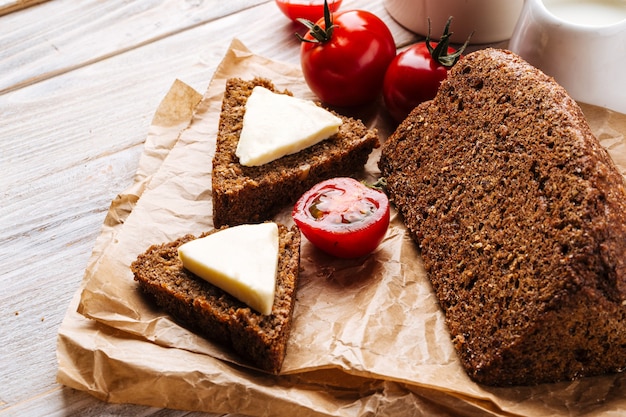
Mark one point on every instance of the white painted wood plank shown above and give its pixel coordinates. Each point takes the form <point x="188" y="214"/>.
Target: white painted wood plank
<point x="62" y="35"/>
<point x="10" y="6"/>
<point x="71" y="139"/>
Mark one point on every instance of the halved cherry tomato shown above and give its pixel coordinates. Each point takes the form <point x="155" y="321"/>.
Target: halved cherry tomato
<point x="343" y="217"/>
<point x="344" y="57"/>
<point x="415" y="74"/>
<point x="312" y="10"/>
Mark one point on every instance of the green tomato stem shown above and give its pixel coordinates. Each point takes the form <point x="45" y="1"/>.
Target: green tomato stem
<point x="440" y="52"/>
<point x="319" y="34"/>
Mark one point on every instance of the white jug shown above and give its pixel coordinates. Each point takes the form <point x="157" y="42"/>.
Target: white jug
<point x="581" y="43"/>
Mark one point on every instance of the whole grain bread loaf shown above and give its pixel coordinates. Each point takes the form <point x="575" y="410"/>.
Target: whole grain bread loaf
<point x="520" y="216"/>
<point x="215" y="314"/>
<point x="244" y="194"/>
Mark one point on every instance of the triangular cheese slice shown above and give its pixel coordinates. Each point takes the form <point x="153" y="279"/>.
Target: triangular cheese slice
<point x="275" y="125"/>
<point x="241" y="260"/>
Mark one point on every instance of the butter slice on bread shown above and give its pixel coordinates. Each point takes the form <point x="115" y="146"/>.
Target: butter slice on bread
<point x="211" y="312"/>
<point x="251" y="194"/>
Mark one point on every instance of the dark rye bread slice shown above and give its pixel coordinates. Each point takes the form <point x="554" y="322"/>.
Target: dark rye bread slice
<point x="520" y="216"/>
<point x="216" y="315"/>
<point x="253" y="194"/>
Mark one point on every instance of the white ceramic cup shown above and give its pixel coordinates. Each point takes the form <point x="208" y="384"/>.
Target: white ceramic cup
<point x="581" y="43"/>
<point x="490" y="20"/>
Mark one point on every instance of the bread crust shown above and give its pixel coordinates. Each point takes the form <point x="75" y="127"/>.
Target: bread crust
<point x="215" y="314"/>
<point x="520" y="215"/>
<point x="243" y="194"/>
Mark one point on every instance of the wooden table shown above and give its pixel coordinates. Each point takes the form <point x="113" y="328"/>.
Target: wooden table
<point x="79" y="83"/>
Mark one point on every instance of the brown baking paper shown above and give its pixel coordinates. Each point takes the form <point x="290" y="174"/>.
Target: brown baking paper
<point x="368" y="336"/>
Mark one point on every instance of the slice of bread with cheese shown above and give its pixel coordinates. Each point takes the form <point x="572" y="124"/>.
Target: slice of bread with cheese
<point x="222" y="299"/>
<point x="271" y="150"/>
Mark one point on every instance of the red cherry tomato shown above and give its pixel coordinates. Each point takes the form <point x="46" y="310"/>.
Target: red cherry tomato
<point x="343" y="217"/>
<point x="344" y="58"/>
<point x="415" y="74"/>
<point x="412" y="78"/>
<point x="311" y="10"/>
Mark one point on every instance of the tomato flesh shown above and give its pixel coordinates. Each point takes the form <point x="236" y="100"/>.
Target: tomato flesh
<point x="306" y="9"/>
<point x="343" y="217"/>
<point x="348" y="70"/>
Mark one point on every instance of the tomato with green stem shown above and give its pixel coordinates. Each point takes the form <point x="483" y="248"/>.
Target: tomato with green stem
<point x="344" y="56"/>
<point x="415" y="74"/>
<point x="343" y="217"/>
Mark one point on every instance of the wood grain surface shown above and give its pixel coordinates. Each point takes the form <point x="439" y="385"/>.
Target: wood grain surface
<point x="79" y="83"/>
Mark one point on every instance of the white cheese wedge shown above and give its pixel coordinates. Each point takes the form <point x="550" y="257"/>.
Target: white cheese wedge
<point x="241" y="260"/>
<point x="275" y="125"/>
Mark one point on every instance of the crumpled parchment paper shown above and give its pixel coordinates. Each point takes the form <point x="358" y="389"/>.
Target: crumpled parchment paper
<point x="368" y="336"/>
